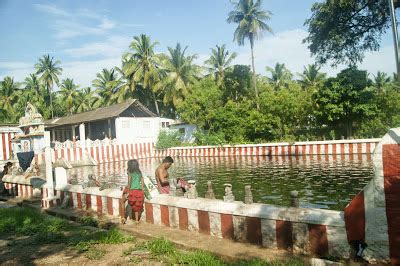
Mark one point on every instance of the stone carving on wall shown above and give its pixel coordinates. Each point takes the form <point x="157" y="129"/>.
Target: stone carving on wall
<point x="32" y="117"/>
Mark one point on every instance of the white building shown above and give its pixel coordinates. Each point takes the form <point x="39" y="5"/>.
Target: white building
<point x="128" y="122"/>
<point x="186" y="131"/>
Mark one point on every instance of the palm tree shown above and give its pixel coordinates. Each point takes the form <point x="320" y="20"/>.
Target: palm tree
<point x="145" y="63"/>
<point x="381" y="79"/>
<point x="280" y="75"/>
<point x="9" y="96"/>
<point x="69" y="93"/>
<point x="49" y="70"/>
<point x="219" y="61"/>
<point x="181" y="72"/>
<point x="106" y="83"/>
<point x="311" y="77"/>
<point x="84" y="100"/>
<point x="251" y="24"/>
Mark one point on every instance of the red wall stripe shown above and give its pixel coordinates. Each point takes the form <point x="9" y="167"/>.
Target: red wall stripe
<point x="164" y="215"/>
<point x="391" y="172"/>
<point x="99" y="204"/>
<point x="354" y="217"/>
<point x="284" y="232"/>
<point x="318" y="239"/>
<point x="149" y="212"/>
<point x="110" y="209"/>
<point x="227" y="226"/>
<point x="254" y="234"/>
<point x="204" y="222"/>
<point x="183" y="219"/>
<point x="88" y="201"/>
<point x="79" y="199"/>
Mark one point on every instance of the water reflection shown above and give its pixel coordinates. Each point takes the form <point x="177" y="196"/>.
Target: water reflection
<point x="327" y="183"/>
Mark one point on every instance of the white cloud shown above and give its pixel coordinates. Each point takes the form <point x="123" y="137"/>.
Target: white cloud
<point x="18" y="70"/>
<point x="287" y="47"/>
<point x="84" y="72"/>
<point x="113" y="46"/>
<point x="79" y="22"/>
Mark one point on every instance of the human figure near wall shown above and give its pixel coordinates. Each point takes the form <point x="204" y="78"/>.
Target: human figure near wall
<point x="162" y="177"/>
<point x="134" y="190"/>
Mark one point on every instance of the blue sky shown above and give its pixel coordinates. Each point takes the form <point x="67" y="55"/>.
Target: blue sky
<point x="87" y="36"/>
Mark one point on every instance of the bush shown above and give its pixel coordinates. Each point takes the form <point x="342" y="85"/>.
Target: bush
<point x="167" y="139"/>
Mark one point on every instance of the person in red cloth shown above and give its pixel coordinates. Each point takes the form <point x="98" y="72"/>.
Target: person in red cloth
<point x="162" y="177"/>
<point x="135" y="190"/>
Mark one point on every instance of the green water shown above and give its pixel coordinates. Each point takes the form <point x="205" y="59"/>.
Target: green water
<point x="321" y="183"/>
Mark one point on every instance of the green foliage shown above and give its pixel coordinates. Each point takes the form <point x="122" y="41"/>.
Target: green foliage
<point x="161" y="246"/>
<point x="168" y="138"/>
<point x="26" y="221"/>
<point x="95" y="253"/>
<point x="341" y="31"/>
<point x="88" y="220"/>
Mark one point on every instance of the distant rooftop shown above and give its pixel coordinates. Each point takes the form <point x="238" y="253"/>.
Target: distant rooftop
<point x="130" y="108"/>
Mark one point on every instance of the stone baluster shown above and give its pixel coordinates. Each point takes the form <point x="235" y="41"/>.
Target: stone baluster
<point x="248" y="198"/>
<point x="210" y="192"/>
<point x="229" y="197"/>
<point x="294" y="199"/>
<point x="192" y="191"/>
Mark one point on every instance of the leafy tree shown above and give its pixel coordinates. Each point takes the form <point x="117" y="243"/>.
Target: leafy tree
<point x="381" y="80"/>
<point x="344" y="101"/>
<point x="181" y="73"/>
<point x="49" y="70"/>
<point x="251" y="24"/>
<point x="237" y="82"/>
<point x="280" y="75"/>
<point x="341" y="31"/>
<point x="69" y="93"/>
<point x="311" y="78"/>
<point x="9" y="96"/>
<point x="219" y="61"/>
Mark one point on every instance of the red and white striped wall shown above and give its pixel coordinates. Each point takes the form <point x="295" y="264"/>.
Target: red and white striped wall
<point x="5" y="145"/>
<point x="102" y="154"/>
<point x="105" y="202"/>
<point x="306" y="231"/>
<point x="373" y="216"/>
<point x="21" y="190"/>
<point x="311" y="148"/>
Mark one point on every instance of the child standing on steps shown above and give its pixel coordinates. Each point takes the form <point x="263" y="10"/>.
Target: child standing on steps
<point x="135" y="190"/>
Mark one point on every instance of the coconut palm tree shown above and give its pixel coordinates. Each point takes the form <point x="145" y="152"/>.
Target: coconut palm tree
<point x="106" y="84"/>
<point x="311" y="77"/>
<point x="219" y="61"/>
<point x="381" y="79"/>
<point x="180" y="71"/>
<point x="280" y="75"/>
<point x="251" y="24"/>
<point x="9" y="96"/>
<point x="68" y="92"/>
<point x="144" y="64"/>
<point x="49" y="70"/>
<point x="84" y="100"/>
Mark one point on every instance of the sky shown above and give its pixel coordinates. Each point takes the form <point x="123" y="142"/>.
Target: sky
<point x="87" y="36"/>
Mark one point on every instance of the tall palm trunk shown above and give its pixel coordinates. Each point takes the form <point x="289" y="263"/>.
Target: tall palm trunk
<point x="155" y="103"/>
<point x="51" y="101"/>
<point x="254" y="71"/>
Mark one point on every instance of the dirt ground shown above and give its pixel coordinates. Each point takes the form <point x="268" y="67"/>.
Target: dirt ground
<point x="21" y="251"/>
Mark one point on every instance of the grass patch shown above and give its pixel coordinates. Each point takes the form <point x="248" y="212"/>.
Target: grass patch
<point x="26" y="221"/>
<point x="89" y="221"/>
<point x="95" y="253"/>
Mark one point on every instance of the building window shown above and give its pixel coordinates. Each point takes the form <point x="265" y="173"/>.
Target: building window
<point x="163" y="124"/>
<point x="166" y="124"/>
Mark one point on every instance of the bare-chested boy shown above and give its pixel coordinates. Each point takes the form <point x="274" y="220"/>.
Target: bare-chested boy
<point x="162" y="175"/>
